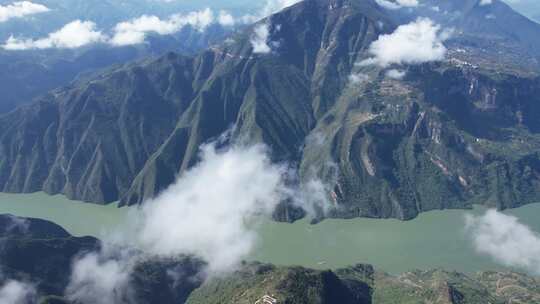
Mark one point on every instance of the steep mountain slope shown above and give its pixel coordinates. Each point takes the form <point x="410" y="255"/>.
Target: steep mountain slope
<point x="491" y="35"/>
<point x="181" y="102"/>
<point x="40" y="251"/>
<point x="285" y="285"/>
<point x="442" y="287"/>
<point x="443" y="137"/>
<point x="448" y="135"/>
<point x="362" y="284"/>
<point x="25" y="75"/>
<point x="45" y="260"/>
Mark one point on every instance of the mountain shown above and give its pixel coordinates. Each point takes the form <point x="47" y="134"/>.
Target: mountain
<point x="42" y="254"/>
<point x="363" y="284"/>
<point x="25" y="75"/>
<point x="286" y="285"/>
<point x="448" y="135"/>
<point x="40" y="251"/>
<point x="490" y="33"/>
<point x="45" y="261"/>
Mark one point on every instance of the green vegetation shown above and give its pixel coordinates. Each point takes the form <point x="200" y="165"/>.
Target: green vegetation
<point x="448" y="135"/>
<point x="362" y="284"/>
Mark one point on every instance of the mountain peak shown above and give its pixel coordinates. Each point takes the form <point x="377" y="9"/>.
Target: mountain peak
<point x="386" y="145"/>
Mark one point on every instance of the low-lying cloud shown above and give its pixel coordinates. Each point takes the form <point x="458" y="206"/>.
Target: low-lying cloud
<point x="101" y="277"/>
<point x="358" y="78"/>
<point x="17" y="292"/>
<point x="213" y="209"/>
<point x="135" y="31"/>
<point x="417" y="42"/>
<point x="270" y="7"/>
<point x="274" y="6"/>
<point x="397" y="4"/>
<point x="395" y="74"/>
<point x="505" y="239"/>
<point x="212" y="212"/>
<point x="82" y="33"/>
<point x="259" y="39"/>
<point x="20" y="9"/>
<point x="226" y="19"/>
<point x="485" y="2"/>
<point x="73" y="35"/>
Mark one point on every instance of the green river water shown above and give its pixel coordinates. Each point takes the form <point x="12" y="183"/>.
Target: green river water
<point x="434" y="240"/>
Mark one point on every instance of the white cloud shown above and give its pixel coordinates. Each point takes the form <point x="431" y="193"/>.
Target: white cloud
<point x="81" y="33"/>
<point x="312" y="197"/>
<point x="274" y="6"/>
<point x="408" y="3"/>
<point x="505" y="239"/>
<point x="270" y="7"/>
<point x="357" y="78"/>
<point x="136" y="30"/>
<point x="226" y="19"/>
<point x="20" y="9"/>
<point x="259" y="39"/>
<point x="212" y="210"/>
<point x="98" y="278"/>
<point x="486" y="2"/>
<point x="413" y="43"/>
<point x="15" y="292"/>
<point x="397" y="4"/>
<point x="78" y="33"/>
<point x="395" y="74"/>
<point x="73" y="35"/>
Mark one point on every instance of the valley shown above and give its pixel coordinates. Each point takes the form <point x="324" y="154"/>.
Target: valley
<point x="301" y="152"/>
<point x="435" y="239"/>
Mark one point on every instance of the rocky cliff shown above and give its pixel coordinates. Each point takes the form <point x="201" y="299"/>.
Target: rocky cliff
<point x="448" y="135"/>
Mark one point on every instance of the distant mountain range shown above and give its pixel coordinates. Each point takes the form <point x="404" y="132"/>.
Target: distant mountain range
<point x="25" y="75"/>
<point x="107" y="13"/>
<point x="391" y="140"/>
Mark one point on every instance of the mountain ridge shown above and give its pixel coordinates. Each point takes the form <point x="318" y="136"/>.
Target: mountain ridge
<point x="430" y="141"/>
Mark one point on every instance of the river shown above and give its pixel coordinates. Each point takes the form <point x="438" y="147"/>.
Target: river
<point x="435" y="239"/>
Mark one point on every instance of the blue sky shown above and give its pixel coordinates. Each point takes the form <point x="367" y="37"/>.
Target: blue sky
<point x="529" y="8"/>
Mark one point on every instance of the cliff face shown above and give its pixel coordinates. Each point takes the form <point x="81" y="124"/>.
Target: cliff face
<point x="448" y="135"/>
<point x="106" y="139"/>
<point x="88" y="142"/>
<point x="444" y="137"/>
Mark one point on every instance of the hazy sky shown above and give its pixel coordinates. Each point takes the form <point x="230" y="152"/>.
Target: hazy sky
<point x="529" y="8"/>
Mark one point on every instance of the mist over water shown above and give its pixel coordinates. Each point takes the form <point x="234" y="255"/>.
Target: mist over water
<point x="434" y="239"/>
